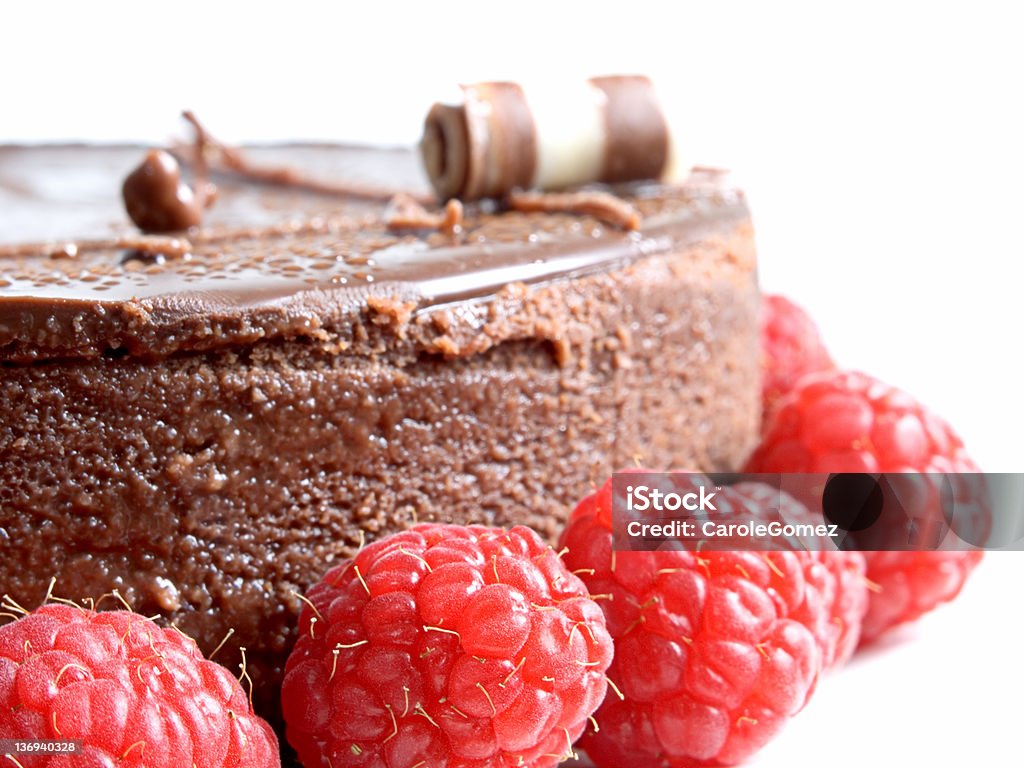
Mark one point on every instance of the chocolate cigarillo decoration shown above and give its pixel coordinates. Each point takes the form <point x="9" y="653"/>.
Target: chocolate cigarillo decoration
<point x="503" y="137"/>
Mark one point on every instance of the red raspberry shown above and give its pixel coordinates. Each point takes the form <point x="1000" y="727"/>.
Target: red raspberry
<point x="850" y="422"/>
<point x="714" y="650"/>
<point x="133" y="693"/>
<point x="791" y="347"/>
<point x="844" y="592"/>
<point x="444" y="645"/>
<point x="910" y="584"/>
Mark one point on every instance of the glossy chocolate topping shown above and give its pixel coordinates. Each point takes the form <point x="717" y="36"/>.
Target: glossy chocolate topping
<point x="273" y="262"/>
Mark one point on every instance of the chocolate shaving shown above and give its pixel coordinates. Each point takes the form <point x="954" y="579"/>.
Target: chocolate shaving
<point x="405" y="212"/>
<point x="603" y="206"/>
<point x="219" y="157"/>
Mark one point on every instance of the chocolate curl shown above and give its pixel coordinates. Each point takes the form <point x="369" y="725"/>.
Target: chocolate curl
<point x="482" y="148"/>
<point x="503" y="137"/>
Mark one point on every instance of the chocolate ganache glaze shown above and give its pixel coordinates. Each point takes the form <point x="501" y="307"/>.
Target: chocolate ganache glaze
<point x="206" y="421"/>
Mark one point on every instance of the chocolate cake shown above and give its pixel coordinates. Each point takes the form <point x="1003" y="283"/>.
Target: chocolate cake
<point x="206" y="422"/>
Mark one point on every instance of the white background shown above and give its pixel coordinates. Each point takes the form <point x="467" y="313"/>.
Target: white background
<point x="881" y="146"/>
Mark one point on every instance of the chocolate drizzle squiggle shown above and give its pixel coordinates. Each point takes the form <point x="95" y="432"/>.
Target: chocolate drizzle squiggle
<point x="215" y="156"/>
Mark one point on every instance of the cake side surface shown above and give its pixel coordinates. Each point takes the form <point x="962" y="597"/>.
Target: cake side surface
<point x="210" y="458"/>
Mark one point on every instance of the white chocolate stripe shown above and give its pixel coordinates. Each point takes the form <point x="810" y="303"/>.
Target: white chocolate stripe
<point x="570" y="133"/>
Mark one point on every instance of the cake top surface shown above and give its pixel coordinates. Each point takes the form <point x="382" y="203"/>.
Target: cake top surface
<point x="279" y="261"/>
